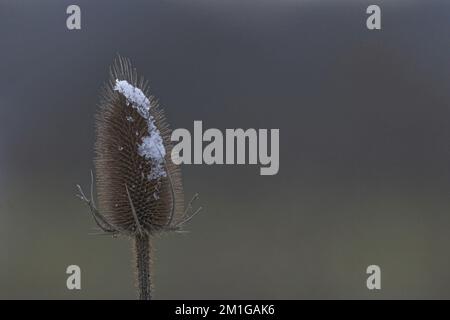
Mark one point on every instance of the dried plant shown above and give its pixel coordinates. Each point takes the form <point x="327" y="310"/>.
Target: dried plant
<point x="139" y="188"/>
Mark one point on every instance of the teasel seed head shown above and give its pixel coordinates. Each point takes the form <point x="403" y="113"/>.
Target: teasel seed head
<point x="139" y="188"/>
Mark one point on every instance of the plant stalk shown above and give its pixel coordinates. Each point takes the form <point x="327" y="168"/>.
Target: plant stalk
<point x="142" y="252"/>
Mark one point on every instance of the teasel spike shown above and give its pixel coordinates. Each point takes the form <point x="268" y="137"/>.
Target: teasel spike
<point x="139" y="189"/>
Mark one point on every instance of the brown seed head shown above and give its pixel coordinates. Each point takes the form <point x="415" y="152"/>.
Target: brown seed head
<point x="136" y="193"/>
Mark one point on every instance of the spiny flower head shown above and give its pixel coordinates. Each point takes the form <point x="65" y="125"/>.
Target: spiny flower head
<point x="139" y="187"/>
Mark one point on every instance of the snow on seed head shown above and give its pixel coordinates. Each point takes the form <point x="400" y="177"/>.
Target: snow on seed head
<point x="152" y="146"/>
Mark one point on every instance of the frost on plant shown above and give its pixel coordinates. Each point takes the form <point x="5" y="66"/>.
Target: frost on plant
<point x="152" y="146"/>
<point x="135" y="97"/>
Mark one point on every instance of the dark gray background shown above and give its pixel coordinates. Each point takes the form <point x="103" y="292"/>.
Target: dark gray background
<point x="364" y="122"/>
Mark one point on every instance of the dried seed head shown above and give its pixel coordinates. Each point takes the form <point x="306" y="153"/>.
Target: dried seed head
<point x="139" y="187"/>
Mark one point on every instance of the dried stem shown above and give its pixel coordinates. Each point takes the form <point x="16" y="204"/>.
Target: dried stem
<point x="142" y="253"/>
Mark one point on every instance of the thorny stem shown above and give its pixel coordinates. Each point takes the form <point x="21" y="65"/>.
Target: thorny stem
<point x="142" y="246"/>
<point x="142" y="252"/>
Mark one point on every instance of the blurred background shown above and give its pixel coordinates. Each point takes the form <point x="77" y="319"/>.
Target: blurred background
<point x="364" y="119"/>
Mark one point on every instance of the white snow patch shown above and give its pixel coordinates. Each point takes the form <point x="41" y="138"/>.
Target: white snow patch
<point x="152" y="146"/>
<point x="135" y="97"/>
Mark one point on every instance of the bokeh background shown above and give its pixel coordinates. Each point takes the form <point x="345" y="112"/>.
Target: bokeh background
<point x="364" y="119"/>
